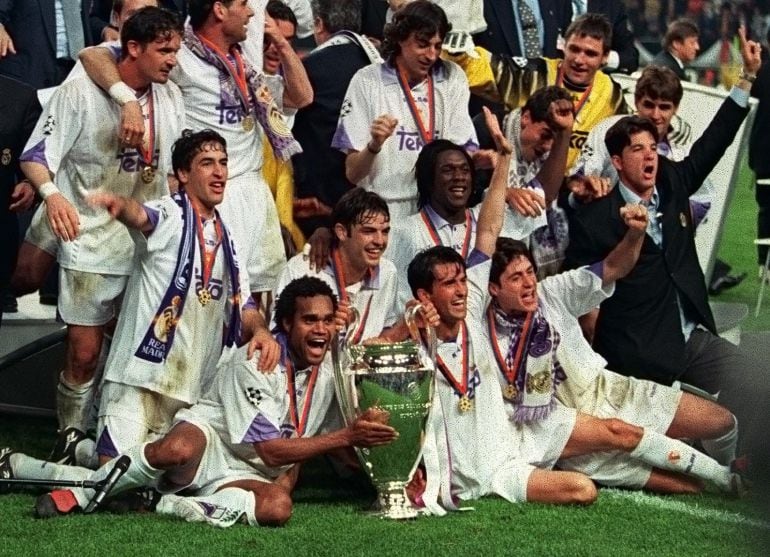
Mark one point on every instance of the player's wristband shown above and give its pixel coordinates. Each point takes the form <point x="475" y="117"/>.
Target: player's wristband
<point x="122" y="93"/>
<point x="47" y="190"/>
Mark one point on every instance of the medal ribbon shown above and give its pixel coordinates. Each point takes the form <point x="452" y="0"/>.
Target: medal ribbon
<point x="584" y="97"/>
<point x="339" y="279"/>
<point x="207" y="258"/>
<point x="300" y="422"/>
<point x="460" y="389"/>
<point x="509" y="373"/>
<point x="148" y="154"/>
<point x="237" y="72"/>
<point x="434" y="233"/>
<point x="426" y="133"/>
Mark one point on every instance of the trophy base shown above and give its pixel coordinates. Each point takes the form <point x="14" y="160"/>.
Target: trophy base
<point x="393" y="504"/>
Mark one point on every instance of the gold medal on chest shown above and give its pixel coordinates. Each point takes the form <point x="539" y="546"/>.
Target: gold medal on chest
<point x="248" y="123"/>
<point x="204" y="296"/>
<point x="510" y="391"/>
<point x="465" y="404"/>
<point x="148" y="174"/>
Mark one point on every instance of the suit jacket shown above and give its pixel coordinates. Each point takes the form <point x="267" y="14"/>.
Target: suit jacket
<point x="622" y="38"/>
<point x="32" y="26"/>
<point x="502" y="37"/>
<point x="20" y="110"/>
<point x="639" y="331"/>
<point x="666" y="59"/>
<point x="101" y="10"/>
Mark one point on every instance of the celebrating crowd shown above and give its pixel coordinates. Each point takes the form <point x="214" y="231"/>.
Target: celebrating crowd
<point x="220" y="208"/>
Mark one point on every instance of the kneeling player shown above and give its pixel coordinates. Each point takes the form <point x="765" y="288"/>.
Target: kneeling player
<point x="238" y="448"/>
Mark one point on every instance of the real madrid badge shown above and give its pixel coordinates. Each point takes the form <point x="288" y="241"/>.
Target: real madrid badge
<point x="465" y="404"/>
<point x="204" y="296"/>
<point x="248" y="123"/>
<point x="148" y="174"/>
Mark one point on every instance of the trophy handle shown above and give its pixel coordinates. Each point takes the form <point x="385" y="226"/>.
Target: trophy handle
<point x="410" y="316"/>
<point x="343" y="383"/>
<point x="347" y="333"/>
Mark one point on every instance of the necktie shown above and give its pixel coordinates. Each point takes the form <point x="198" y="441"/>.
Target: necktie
<point x="529" y="31"/>
<point x="578" y="8"/>
<point x="74" y="26"/>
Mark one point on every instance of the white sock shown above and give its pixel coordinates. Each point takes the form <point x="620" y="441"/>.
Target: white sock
<point x="73" y="403"/>
<point x="27" y="468"/>
<point x="138" y="474"/>
<point x="670" y="454"/>
<point x="724" y="448"/>
<point x="85" y="454"/>
<point x="221" y="509"/>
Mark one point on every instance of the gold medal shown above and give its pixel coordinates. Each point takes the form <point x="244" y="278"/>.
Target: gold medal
<point x="510" y="391"/>
<point x="248" y="123"/>
<point x="204" y="296"/>
<point x="465" y="404"/>
<point x="683" y="220"/>
<point x="148" y="174"/>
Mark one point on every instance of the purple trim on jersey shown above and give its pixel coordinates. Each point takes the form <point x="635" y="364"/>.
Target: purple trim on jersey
<point x="536" y="184"/>
<point x="698" y="211"/>
<point x="105" y="446"/>
<point x="261" y="430"/>
<point x="35" y="154"/>
<point x="475" y="257"/>
<point x="471" y="146"/>
<point x="153" y="215"/>
<point x="341" y="140"/>
<point x="597" y="269"/>
<point x="250" y="304"/>
<point x="115" y="50"/>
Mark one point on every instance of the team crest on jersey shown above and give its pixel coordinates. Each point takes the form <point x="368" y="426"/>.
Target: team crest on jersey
<point x="5" y="158"/>
<point x="577" y="139"/>
<point x="50" y="124"/>
<point x="346" y="107"/>
<point x="254" y="396"/>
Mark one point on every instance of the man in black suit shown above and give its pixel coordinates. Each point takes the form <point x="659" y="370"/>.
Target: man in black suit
<point x="502" y="35"/>
<point x="319" y="171"/>
<point x="32" y="48"/>
<point x="20" y="110"/>
<point x="680" y="46"/>
<point x="658" y="324"/>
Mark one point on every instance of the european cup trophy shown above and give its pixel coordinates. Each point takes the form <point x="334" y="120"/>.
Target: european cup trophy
<point x="395" y="380"/>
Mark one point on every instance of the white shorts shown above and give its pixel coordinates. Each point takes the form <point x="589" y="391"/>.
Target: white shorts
<point x="218" y="465"/>
<point x="540" y="443"/>
<point x="249" y="211"/>
<point x="89" y="299"/>
<point x="511" y="479"/>
<point x="643" y="403"/>
<point x="39" y="233"/>
<point x="129" y="416"/>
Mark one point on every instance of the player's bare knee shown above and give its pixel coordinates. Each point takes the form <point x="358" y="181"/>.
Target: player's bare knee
<point x="273" y="508"/>
<point x="724" y="420"/>
<point x="82" y="362"/>
<point x="583" y="491"/>
<point x="626" y="436"/>
<point x="171" y="452"/>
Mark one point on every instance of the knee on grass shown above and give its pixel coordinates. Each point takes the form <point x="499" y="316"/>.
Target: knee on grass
<point x="273" y="507"/>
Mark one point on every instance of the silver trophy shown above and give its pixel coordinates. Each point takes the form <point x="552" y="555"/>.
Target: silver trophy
<point x="394" y="379"/>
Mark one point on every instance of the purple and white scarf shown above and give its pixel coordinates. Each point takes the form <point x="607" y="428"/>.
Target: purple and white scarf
<point x="536" y="387"/>
<point x="268" y="113"/>
<point x="157" y="341"/>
